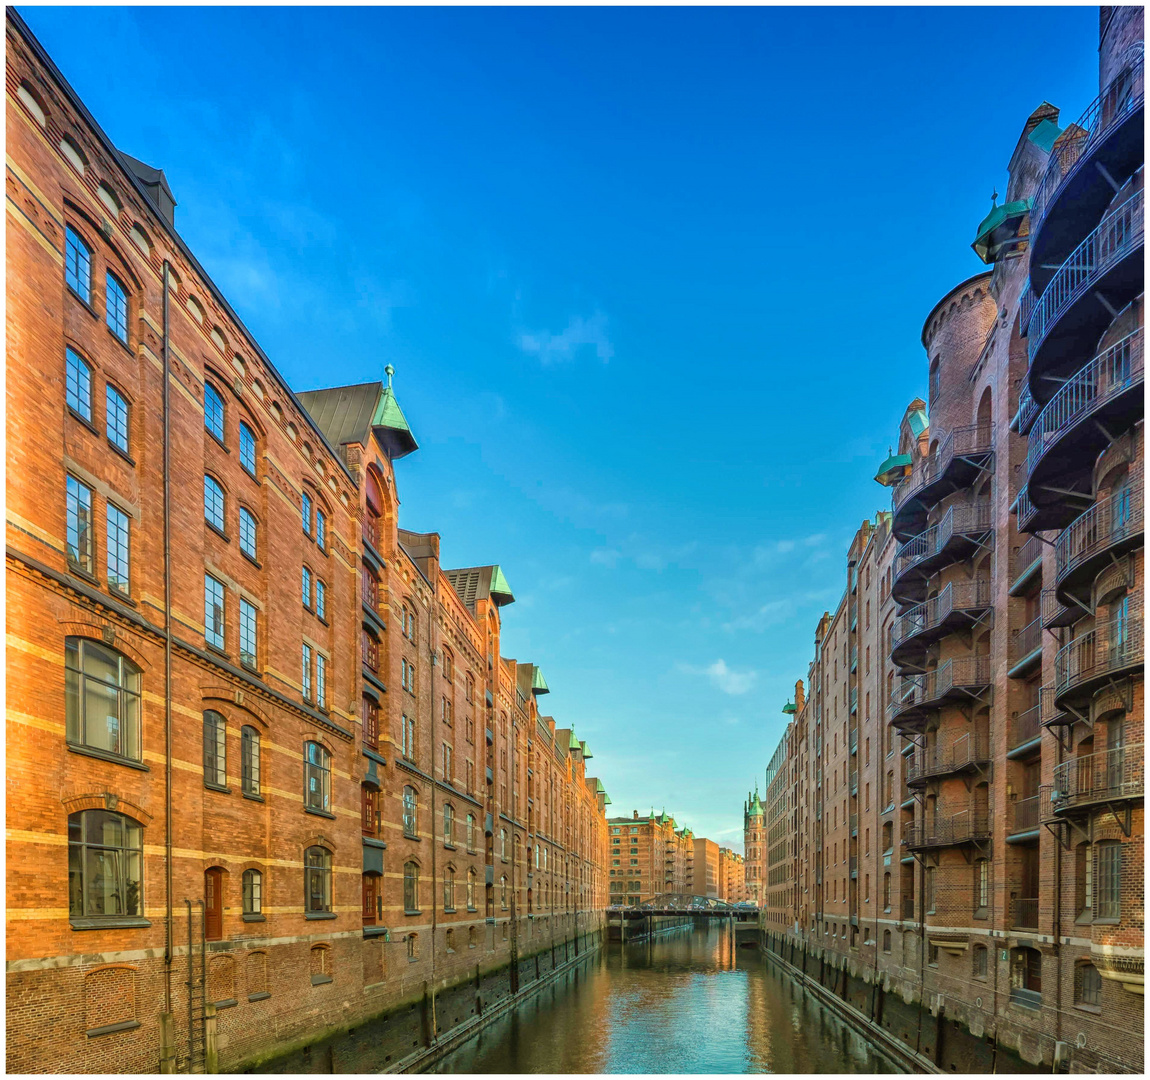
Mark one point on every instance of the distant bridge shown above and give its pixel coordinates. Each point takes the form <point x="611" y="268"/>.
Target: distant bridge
<point x="685" y="904"/>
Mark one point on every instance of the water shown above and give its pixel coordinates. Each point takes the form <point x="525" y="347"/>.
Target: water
<point x="681" y="1003"/>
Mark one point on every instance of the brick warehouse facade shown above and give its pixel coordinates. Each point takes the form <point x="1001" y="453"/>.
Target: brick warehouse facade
<point x="952" y="839"/>
<point x="271" y="776"/>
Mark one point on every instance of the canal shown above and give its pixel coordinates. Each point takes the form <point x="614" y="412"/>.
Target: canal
<point x="680" y="1003"/>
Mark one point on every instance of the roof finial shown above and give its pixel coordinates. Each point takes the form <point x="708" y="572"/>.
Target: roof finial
<point x="994" y="198"/>
<point x="389" y="371"/>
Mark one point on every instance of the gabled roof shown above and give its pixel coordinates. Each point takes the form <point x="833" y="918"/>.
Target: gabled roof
<point x="480" y="583"/>
<point x="348" y="414"/>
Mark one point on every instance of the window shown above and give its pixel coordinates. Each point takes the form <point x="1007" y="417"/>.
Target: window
<point x="407" y="675"/>
<point x="320" y="530"/>
<point x="306" y="513"/>
<point x="247" y="533"/>
<point x="317" y="777"/>
<point x="471" y="876"/>
<point x="118" y="549"/>
<point x="1107" y="902"/>
<point x="934" y="382"/>
<point x="449" y="889"/>
<point x="321" y="680"/>
<point x="929" y="889"/>
<point x="981" y="884"/>
<point x="411" y="887"/>
<point x="77" y="265"/>
<point x="372" y="900"/>
<point x="503" y="891"/>
<point x="1084" y="877"/>
<point x="116" y="418"/>
<point x="412" y="951"/>
<point x="215" y="750"/>
<point x="79" y="526"/>
<point x="447" y="711"/>
<point x="503" y="843"/>
<point x="317" y="880"/>
<point x="407" y="737"/>
<point x="250" y="760"/>
<point x="213" y="503"/>
<point x="409" y="822"/>
<point x="470" y="832"/>
<point x="1087" y="986"/>
<point x="408" y="623"/>
<point x="213" y="411"/>
<point x="320" y="599"/>
<point x="886" y="941"/>
<point x="101" y="698"/>
<point x="116" y="307"/>
<point x="307" y="672"/>
<point x="980" y="961"/>
<point x="370" y="723"/>
<point x="253" y="885"/>
<point x="78" y="385"/>
<point x="213" y="612"/>
<point x="447" y="773"/>
<point x="448" y="823"/>
<point x="247" y="448"/>
<point x="305" y="587"/>
<point x="448" y="665"/>
<point x="105" y="865"/>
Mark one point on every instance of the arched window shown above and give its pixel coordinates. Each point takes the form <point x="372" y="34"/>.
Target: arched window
<point x="449" y="889"/>
<point x="408" y="623"/>
<point x="213" y="411"/>
<point x="317" y="777"/>
<point x="215" y="750"/>
<point x="472" y="937"/>
<point x="409" y="822"/>
<point x="247" y="448"/>
<point x="320" y="598"/>
<point x="1084" y="879"/>
<point x="317" y="880"/>
<point x="247" y="532"/>
<point x="116" y="418"/>
<point x="1108" y="898"/>
<point x="471" y="878"/>
<point x="981" y="884"/>
<point x="448" y="665"/>
<point x="980" y="961"/>
<point x="101" y="698"/>
<point x="250" y="760"/>
<point x="305" y="587"/>
<point x="116" y="306"/>
<point x="1087" y="986"/>
<point x="929" y="889"/>
<point x="886" y="941"/>
<point x="412" y="947"/>
<point x="411" y="887"/>
<point x="320" y="529"/>
<point x="503" y="891"/>
<point x="935" y="376"/>
<point x="253" y="891"/>
<point x="470" y="832"/>
<point x="886" y="891"/>
<point x="77" y="265"/>
<point x="105" y="866"/>
<point x="373" y="518"/>
<point x="78" y="384"/>
<point x="213" y="503"/>
<point x="503" y="843"/>
<point x="448" y="823"/>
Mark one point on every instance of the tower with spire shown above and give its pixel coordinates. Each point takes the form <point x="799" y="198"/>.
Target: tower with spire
<point x="754" y="845"/>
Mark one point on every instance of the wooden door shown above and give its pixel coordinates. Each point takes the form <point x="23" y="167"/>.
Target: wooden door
<point x="214" y="904"/>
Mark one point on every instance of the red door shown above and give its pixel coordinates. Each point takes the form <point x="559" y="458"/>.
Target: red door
<point x="214" y="904"/>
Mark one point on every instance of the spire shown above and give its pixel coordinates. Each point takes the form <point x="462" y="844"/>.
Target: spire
<point x="391" y="427"/>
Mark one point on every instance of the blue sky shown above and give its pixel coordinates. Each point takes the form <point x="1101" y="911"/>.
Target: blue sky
<point x="652" y="281"/>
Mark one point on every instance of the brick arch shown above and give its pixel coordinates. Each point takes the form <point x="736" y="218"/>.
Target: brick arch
<point x="108" y="799"/>
<point x="320" y="737"/>
<point x="109" y="995"/>
<point x="223" y="700"/>
<point x="94" y="631"/>
<point x="318" y="840"/>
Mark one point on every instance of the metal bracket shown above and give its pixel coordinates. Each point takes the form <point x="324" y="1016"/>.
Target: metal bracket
<point x="1124" y="821"/>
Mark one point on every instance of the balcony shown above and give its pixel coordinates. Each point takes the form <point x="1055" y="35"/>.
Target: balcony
<point x="966" y="753"/>
<point x="1025" y="650"/>
<point x="1055" y="614"/>
<point x="854" y="699"/>
<point x="1068" y="318"/>
<point x="954" y="465"/>
<point x="919" y="695"/>
<point x="854" y="741"/>
<point x="1111" y="776"/>
<point x="958" y="605"/>
<point x="955" y="537"/>
<point x="1049" y="714"/>
<point x="1025" y="731"/>
<point x="1027" y="407"/>
<point x="1099" y="401"/>
<point x="1097" y="656"/>
<point x="1023" y="913"/>
<point x="949" y="830"/>
<point x="1106" y="142"/>
<point x="1025" y="563"/>
<point x="1109" y="529"/>
<point x="1023" y="819"/>
<point x="1033" y="519"/>
<point x="854" y="824"/>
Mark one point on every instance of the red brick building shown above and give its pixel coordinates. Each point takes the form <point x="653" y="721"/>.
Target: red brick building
<point x="954" y="822"/>
<point x="259" y="740"/>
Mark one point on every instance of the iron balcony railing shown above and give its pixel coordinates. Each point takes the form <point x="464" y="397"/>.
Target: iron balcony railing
<point x="1024" y="913"/>
<point x="1107" y="776"/>
<point x="854" y="699"/>
<point x="1110" y="373"/>
<point x="1115" y="237"/>
<point x="854" y="741"/>
<point x="949" y="829"/>
<point x="854" y="824"/>
<point x="1026" y="305"/>
<point x="1027" y="406"/>
<point x="1105" y="524"/>
<point x="1024" y="814"/>
<point x="1025" y="557"/>
<point x="957" y="596"/>
<point x="1124" y="94"/>
<point x="1026" y="726"/>
<point x="923" y="690"/>
<point x="973" y="439"/>
<point x="1106" y="649"/>
<point x="854" y="657"/>
<point x="940" y="760"/>
<point x="1024" y="509"/>
<point x="960" y="519"/>
<point x="1025" y="641"/>
<point x="854" y="864"/>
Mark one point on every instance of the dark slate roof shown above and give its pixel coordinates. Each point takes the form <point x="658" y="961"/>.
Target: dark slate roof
<point x="344" y="412"/>
<point x="480" y="582"/>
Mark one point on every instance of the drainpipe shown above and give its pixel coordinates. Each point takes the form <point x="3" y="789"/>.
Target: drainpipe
<point x="434" y="823"/>
<point x="168" y="916"/>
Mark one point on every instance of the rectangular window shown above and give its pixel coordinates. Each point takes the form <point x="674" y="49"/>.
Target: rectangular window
<point x="215" y="771"/>
<point x="320" y="599"/>
<point x="213" y="611"/>
<point x="307" y="672"/>
<point x="447" y="774"/>
<point x="321" y="680"/>
<point x="247" y="448"/>
<point x="79" y="539"/>
<point x="306" y="513"/>
<point x="78" y="385"/>
<point x="1108" y="899"/>
<point x="247" y="633"/>
<point x="118" y="549"/>
<point x="77" y="265"/>
<point x="321" y="530"/>
<point x="305" y="584"/>
<point x="250" y="762"/>
<point x="116" y="413"/>
<point x="247" y="533"/>
<point x="116" y="303"/>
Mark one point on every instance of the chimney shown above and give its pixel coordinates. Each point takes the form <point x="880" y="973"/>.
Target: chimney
<point x="635" y="815"/>
<point x="799" y="696"/>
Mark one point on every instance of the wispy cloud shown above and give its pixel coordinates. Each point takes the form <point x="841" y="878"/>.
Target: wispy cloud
<point x="577" y="336"/>
<point x="606" y="557"/>
<point x="727" y="679"/>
